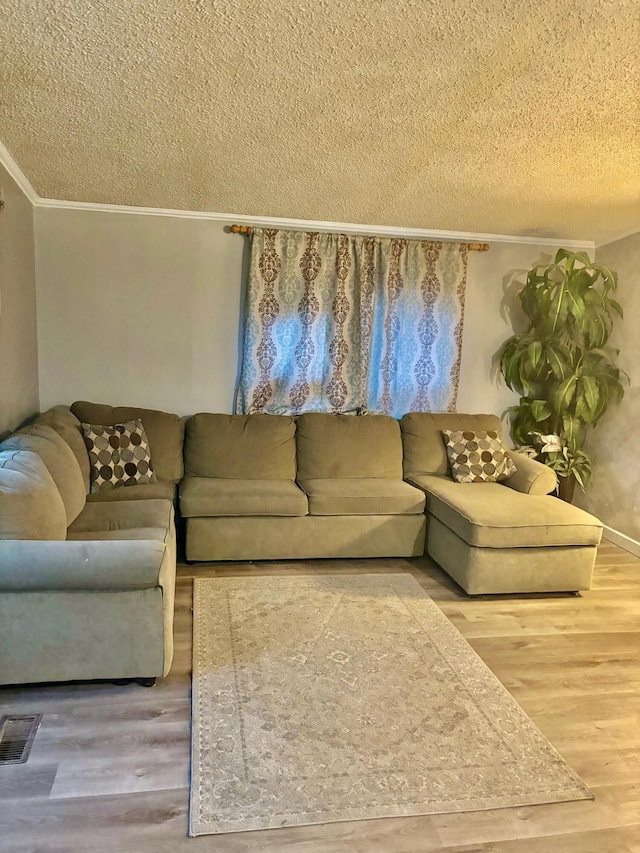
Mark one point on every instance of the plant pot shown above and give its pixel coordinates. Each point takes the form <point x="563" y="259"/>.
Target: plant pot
<point x="566" y="488"/>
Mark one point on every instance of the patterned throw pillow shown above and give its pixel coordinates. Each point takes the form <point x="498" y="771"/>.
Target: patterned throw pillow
<point x="477" y="457"/>
<point x="118" y="455"/>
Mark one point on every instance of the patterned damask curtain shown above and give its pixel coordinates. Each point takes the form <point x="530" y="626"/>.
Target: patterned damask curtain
<point x="339" y="323"/>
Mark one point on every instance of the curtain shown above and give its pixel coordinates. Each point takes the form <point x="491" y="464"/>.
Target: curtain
<point x="340" y="323"/>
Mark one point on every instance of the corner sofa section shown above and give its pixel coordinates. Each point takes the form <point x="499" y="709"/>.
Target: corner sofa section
<point x="260" y="487"/>
<point x="86" y="586"/>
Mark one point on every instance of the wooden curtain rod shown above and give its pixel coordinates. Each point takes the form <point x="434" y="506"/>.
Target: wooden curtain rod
<point x="246" y="229"/>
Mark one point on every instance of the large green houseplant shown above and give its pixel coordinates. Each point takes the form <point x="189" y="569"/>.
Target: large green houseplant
<point x="562" y="366"/>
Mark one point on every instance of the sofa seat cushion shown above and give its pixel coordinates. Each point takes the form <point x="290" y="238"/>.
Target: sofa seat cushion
<point x="151" y="534"/>
<point x="108" y="517"/>
<point x="489" y="515"/>
<point x="161" y="489"/>
<point x="215" y="496"/>
<point x="363" y="496"/>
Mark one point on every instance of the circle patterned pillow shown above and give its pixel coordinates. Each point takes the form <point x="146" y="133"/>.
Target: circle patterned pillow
<point x="477" y="456"/>
<point x="119" y="455"/>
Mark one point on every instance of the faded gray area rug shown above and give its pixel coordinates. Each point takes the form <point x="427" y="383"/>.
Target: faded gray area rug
<point x="346" y="697"/>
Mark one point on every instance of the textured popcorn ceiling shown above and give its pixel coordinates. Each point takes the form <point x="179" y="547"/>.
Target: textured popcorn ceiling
<point x="505" y="116"/>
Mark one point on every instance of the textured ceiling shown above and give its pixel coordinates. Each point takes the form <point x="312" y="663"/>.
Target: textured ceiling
<point x="504" y="116"/>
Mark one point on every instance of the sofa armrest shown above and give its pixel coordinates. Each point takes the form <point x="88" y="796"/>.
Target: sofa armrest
<point x="531" y="477"/>
<point x="30" y="565"/>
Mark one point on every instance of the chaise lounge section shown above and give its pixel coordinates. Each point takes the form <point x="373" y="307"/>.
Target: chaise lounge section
<point x="510" y="537"/>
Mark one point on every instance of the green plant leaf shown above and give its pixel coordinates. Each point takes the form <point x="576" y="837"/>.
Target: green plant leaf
<point x="591" y="393"/>
<point x="557" y="362"/>
<point x="534" y="351"/>
<point x="564" y="393"/>
<point x="540" y="409"/>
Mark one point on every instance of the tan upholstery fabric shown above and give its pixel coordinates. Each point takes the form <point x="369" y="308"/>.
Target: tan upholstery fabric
<point x="345" y="446"/>
<point x="147" y="522"/>
<point x="531" y="477"/>
<point x="150" y="491"/>
<point x="423" y="447"/>
<point x="119" y="515"/>
<point x="215" y="496"/>
<point x="489" y="515"/>
<point x="65" y="423"/>
<point x="150" y="534"/>
<point x="78" y="565"/>
<point x="241" y="447"/>
<point x="30" y="503"/>
<point x="164" y="430"/>
<point x="308" y="537"/>
<point x="67" y="635"/>
<point x="363" y="496"/>
<point x="491" y="570"/>
<point x="90" y="609"/>
<point x="59" y="460"/>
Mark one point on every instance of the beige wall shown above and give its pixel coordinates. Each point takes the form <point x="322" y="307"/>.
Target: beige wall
<point x="614" y="492"/>
<point x="491" y="308"/>
<point x="18" y="334"/>
<point x="139" y="309"/>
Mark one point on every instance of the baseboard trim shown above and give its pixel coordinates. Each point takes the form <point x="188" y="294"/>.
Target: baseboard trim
<point x="623" y="541"/>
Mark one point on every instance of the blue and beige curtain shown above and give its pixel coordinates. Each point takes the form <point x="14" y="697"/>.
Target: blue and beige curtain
<point x="339" y="323"/>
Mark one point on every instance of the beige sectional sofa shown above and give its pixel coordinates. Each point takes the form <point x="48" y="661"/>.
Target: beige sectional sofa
<point x="87" y="580"/>
<point x="86" y="585"/>
<point x="262" y="487"/>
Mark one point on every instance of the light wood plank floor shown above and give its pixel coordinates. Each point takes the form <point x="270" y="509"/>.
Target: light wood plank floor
<point x="109" y="767"/>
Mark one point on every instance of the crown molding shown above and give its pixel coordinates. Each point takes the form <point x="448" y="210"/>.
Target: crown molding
<point x="629" y="232"/>
<point x="278" y="222"/>
<point x="18" y="175"/>
<point x="317" y="225"/>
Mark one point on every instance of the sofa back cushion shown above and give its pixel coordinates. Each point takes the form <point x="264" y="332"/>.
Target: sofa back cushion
<point x="348" y="446"/>
<point x="423" y="446"/>
<point x="241" y="447"/>
<point x="30" y="504"/>
<point x="59" y="461"/>
<point x="164" y="431"/>
<point x="67" y="425"/>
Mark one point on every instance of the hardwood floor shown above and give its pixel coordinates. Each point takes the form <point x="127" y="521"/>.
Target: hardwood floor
<point x="109" y="767"/>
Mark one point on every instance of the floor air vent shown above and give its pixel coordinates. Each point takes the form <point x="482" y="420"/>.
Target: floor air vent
<point x="17" y="732"/>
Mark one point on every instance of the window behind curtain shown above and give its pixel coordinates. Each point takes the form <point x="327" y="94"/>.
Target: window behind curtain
<point x="339" y="323"/>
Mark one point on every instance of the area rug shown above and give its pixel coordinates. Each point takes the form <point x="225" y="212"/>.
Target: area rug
<point x="347" y="697"/>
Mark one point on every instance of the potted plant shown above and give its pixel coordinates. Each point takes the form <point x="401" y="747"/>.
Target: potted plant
<point x="561" y="365"/>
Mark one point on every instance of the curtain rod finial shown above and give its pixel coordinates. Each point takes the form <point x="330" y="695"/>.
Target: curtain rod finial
<point x="240" y="229"/>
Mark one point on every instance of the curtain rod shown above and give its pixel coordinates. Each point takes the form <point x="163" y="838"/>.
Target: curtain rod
<point x="247" y="229"/>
